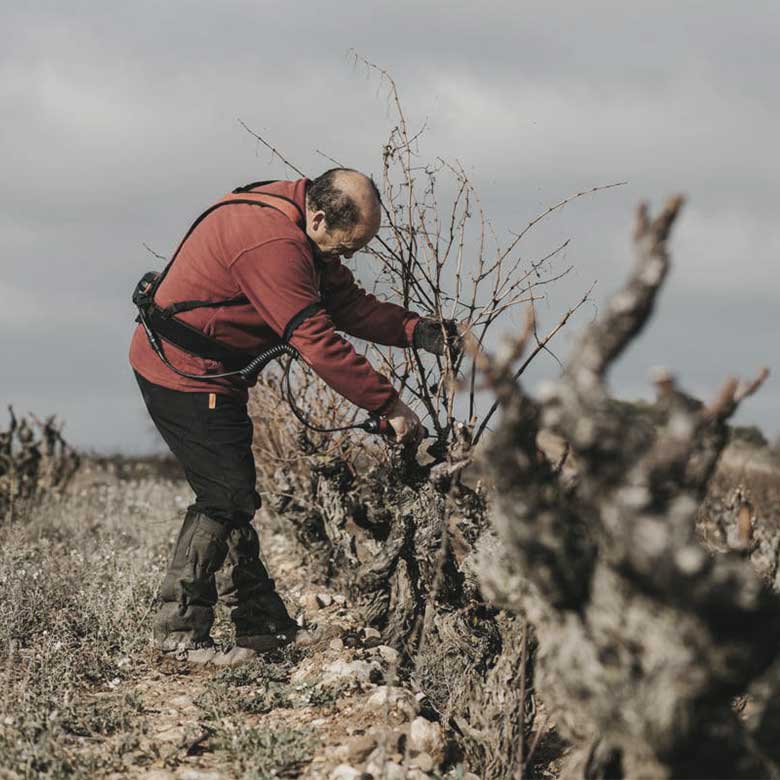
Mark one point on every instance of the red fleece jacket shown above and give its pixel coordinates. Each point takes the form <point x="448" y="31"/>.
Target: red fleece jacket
<point x="266" y="256"/>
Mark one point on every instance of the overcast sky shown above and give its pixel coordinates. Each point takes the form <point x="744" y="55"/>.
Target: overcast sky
<point x="119" y="125"/>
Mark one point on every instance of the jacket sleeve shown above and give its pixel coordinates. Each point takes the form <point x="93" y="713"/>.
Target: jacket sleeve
<point x="279" y="279"/>
<point x="360" y="314"/>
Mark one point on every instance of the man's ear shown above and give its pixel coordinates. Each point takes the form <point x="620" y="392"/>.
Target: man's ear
<point x="318" y="219"/>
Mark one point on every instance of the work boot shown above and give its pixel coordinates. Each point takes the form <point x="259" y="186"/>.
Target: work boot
<point x="189" y="592"/>
<point x="260" y="618"/>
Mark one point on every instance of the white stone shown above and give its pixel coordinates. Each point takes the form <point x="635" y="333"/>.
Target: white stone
<point x="389" y="654"/>
<point x="423" y="761"/>
<point x="372" y="633"/>
<point x="325" y="599"/>
<point x="388" y="770"/>
<point x="426" y="737"/>
<point x="345" y="772"/>
<point x="359" y="748"/>
<point x="197" y="774"/>
<point x="391" y="697"/>
<point x="359" y="671"/>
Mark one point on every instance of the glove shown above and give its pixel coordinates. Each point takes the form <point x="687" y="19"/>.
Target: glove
<point x="428" y="336"/>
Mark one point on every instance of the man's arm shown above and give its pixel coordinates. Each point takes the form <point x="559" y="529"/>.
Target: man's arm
<point x="278" y="279"/>
<point x="361" y="314"/>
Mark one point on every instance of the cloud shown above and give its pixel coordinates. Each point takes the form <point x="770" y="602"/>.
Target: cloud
<point x="118" y="125"/>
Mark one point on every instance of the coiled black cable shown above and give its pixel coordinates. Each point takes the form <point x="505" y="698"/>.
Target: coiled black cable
<point x="255" y="366"/>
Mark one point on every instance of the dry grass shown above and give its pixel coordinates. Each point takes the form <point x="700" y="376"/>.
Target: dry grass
<point x="78" y="575"/>
<point x="83" y="696"/>
<point x="77" y="673"/>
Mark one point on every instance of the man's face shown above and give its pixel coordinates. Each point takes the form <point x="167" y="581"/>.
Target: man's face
<point x="340" y="243"/>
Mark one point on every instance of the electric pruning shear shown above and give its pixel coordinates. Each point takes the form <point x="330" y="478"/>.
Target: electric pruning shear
<point x="382" y="427"/>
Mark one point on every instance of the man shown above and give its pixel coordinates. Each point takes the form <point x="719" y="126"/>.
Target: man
<point x="262" y="265"/>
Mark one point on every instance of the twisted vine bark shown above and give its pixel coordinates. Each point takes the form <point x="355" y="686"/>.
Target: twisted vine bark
<point x="644" y="637"/>
<point x="397" y="540"/>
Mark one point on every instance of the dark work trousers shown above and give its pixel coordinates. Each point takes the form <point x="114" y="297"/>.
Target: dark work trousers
<point x="211" y="436"/>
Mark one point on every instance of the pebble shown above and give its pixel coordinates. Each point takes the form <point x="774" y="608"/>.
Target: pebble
<point x="197" y="774"/>
<point x="371" y="633"/>
<point x="336" y="644"/>
<point x="324" y="599"/>
<point x="423" y="761"/>
<point x="426" y="737"/>
<point x="392" y="740"/>
<point x="359" y="671"/>
<point x="395" y="698"/>
<point x="345" y="772"/>
<point x="389" y="654"/>
<point x="389" y="770"/>
<point x="358" y="749"/>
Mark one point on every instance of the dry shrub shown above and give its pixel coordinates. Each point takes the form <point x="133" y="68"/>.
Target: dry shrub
<point x="392" y="527"/>
<point x="34" y="459"/>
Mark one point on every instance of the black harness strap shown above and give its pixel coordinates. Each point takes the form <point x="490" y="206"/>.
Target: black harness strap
<point x="178" y="308"/>
<point x="195" y="341"/>
<point x="253" y="185"/>
<point x="298" y="318"/>
<point x="161" y="321"/>
<point x="288" y="200"/>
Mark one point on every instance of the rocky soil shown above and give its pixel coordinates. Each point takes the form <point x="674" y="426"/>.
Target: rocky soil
<point x="83" y="694"/>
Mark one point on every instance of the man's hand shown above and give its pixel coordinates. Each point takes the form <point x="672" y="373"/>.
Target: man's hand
<point x="435" y="336"/>
<point x="405" y="422"/>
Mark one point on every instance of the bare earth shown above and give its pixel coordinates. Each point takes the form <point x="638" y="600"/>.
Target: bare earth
<point x="85" y="694"/>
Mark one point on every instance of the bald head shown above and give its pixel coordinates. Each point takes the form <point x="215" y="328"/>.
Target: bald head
<point x="343" y="211"/>
<point x="362" y="190"/>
